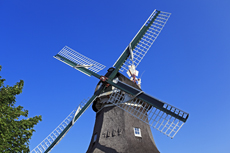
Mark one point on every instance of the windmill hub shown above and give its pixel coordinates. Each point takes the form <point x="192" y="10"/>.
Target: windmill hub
<point x="103" y="78"/>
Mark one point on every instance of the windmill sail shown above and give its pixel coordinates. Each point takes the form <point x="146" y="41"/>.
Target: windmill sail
<point x="159" y="119"/>
<point x="143" y="40"/>
<point x="162" y="116"/>
<point x="78" y="61"/>
<point x="58" y="134"/>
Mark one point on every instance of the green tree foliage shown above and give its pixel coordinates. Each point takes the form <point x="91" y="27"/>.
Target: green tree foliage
<point x="14" y="132"/>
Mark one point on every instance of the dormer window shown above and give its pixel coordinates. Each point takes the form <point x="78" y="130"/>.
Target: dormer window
<point x="137" y="132"/>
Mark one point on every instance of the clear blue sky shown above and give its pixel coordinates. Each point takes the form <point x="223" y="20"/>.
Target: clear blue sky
<point x="187" y="66"/>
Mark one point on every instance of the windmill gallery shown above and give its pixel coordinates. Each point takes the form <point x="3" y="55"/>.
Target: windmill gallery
<point x="124" y="112"/>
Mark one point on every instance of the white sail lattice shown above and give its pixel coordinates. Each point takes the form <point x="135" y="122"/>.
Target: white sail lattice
<point x="51" y="138"/>
<point x="80" y="60"/>
<point x="148" y="39"/>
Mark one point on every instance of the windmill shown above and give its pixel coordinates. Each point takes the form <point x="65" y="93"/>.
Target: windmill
<point x="122" y="99"/>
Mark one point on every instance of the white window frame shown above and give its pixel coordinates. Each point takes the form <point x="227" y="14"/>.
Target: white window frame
<point x="138" y="130"/>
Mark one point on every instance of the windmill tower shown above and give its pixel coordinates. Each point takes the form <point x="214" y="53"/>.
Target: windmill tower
<point x="116" y="130"/>
<point x="124" y="112"/>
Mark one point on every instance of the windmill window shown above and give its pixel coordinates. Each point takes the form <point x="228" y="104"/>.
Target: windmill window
<point x="137" y="132"/>
<point x="95" y="138"/>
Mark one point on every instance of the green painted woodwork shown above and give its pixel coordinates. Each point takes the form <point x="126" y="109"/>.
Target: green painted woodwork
<point x="148" y="99"/>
